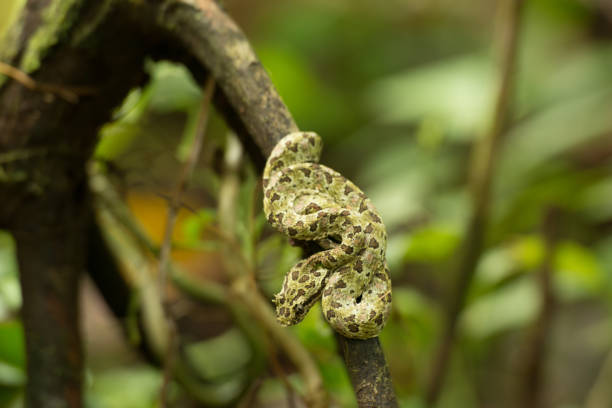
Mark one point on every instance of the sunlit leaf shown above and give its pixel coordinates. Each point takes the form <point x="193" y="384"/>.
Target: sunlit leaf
<point x="507" y="308"/>
<point x="134" y="387"/>
<point x="172" y="88"/>
<point x="220" y="356"/>
<point x="528" y="252"/>
<point x="10" y="294"/>
<point x="578" y="270"/>
<point x="456" y="93"/>
<point x="194" y="225"/>
<point x="433" y="243"/>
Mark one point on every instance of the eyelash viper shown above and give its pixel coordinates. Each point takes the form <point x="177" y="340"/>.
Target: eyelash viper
<point x="309" y="201"/>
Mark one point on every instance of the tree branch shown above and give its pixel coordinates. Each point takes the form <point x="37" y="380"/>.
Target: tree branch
<point x="483" y="160"/>
<point x="534" y="353"/>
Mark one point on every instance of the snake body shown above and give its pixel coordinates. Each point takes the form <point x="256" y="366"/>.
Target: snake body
<point x="309" y="201"/>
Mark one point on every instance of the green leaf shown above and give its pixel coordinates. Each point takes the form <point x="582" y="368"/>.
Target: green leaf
<point x="135" y="387"/>
<point x="172" y="88"/>
<point x="10" y="294"/>
<point x="578" y="271"/>
<point x="550" y="133"/>
<point x="224" y="355"/>
<point x="194" y="226"/>
<point x="12" y="351"/>
<point x="433" y="243"/>
<point x="455" y="93"/>
<point x="528" y="252"/>
<point x="509" y="307"/>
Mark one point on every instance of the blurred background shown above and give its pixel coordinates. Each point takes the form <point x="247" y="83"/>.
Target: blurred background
<point x="400" y="91"/>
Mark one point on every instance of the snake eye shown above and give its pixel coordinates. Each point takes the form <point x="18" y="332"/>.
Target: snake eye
<point x="299" y="309"/>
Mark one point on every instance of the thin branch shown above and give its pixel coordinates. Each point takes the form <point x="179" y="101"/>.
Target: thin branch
<point x="534" y="353"/>
<point x="164" y="253"/>
<point x="483" y="160"/>
<point x="67" y="93"/>
<point x="243" y="285"/>
<point x="187" y="171"/>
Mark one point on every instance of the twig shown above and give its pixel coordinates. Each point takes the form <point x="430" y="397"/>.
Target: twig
<point x="535" y="345"/>
<point x="68" y="93"/>
<point x="164" y="253"/>
<point x="187" y="171"/>
<point x="483" y="160"/>
<point x="278" y="370"/>
<point x="243" y="285"/>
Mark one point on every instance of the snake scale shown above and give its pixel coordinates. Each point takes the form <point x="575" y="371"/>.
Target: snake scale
<point x="309" y="201"/>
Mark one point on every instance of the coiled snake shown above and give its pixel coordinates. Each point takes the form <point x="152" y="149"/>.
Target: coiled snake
<point x="309" y="201"/>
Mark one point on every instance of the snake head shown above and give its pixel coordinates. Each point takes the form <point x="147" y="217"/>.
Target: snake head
<point x="290" y="312"/>
<point x="288" y="315"/>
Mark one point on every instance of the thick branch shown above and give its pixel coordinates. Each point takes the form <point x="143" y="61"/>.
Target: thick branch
<point x="45" y="141"/>
<point x="368" y="372"/>
<point x="214" y="40"/>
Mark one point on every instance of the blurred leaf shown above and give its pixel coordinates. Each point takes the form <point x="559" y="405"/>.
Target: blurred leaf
<point x="528" y="251"/>
<point x="12" y="343"/>
<point x="495" y="266"/>
<point x="274" y="259"/>
<point x="224" y="355"/>
<point x="603" y="251"/>
<point x="172" y="88"/>
<point x="550" y="133"/>
<point x="115" y="138"/>
<point x="10" y="294"/>
<point x="456" y="94"/>
<point x="134" y="387"/>
<point x="578" y="271"/>
<point x="419" y="316"/>
<point x="510" y="307"/>
<point x="594" y="202"/>
<point x="9" y="11"/>
<point x="12" y="359"/>
<point x="400" y="177"/>
<point x="314" y="332"/>
<point x="194" y="225"/>
<point x="336" y="380"/>
<point x="118" y="135"/>
<point x="11" y="376"/>
<point x="433" y="243"/>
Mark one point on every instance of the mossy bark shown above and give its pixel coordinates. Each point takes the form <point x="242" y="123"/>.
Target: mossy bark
<point x="44" y="145"/>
